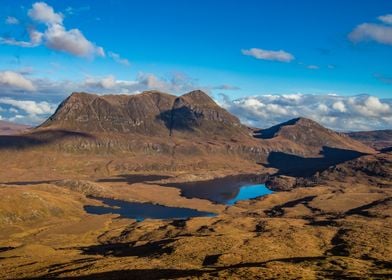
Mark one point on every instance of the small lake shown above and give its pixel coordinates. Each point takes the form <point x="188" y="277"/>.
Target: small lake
<point x="227" y="191"/>
<point x="249" y="192"/>
<point x="141" y="211"/>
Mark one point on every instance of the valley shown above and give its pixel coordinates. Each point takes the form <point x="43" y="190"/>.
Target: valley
<point x="69" y="185"/>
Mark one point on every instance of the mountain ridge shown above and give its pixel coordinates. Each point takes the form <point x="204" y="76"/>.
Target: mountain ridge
<point x="150" y="112"/>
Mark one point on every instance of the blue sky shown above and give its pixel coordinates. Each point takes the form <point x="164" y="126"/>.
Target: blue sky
<point x="235" y="50"/>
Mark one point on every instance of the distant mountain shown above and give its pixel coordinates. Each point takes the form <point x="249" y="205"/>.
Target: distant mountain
<point x="195" y="115"/>
<point x="9" y="128"/>
<point x="302" y="133"/>
<point x="378" y="139"/>
<point x="160" y="131"/>
<point x="148" y="113"/>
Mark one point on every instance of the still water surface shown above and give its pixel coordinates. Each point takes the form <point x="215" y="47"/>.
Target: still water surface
<point x="227" y="190"/>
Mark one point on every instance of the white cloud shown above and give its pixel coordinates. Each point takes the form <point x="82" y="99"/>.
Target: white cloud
<point x="372" y="32"/>
<point x="108" y="82"/>
<point x="55" y="36"/>
<point x="280" y="55"/>
<point x="70" y="41"/>
<point x="117" y="58"/>
<point x="361" y="112"/>
<point x="339" y="106"/>
<point x="11" y="20"/>
<point x="177" y="83"/>
<point x="35" y="40"/>
<point x="44" y="13"/>
<point x="30" y="107"/>
<point x="387" y="19"/>
<point x="15" y="81"/>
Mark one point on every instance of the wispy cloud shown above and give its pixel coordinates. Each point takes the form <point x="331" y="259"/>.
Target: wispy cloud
<point x="11" y="20"/>
<point x="383" y="78"/>
<point x="281" y="55"/>
<point x="226" y="87"/>
<point x="117" y="58"/>
<point x="387" y="19"/>
<point x="313" y="67"/>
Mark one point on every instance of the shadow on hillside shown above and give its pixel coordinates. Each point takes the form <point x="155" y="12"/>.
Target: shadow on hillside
<point x="207" y="271"/>
<point x="156" y="248"/>
<point x="39" y="138"/>
<point x="133" y="178"/>
<point x="269" y="133"/>
<point x="296" y="166"/>
<point x="386" y="150"/>
<point x="26" y="183"/>
<point x="182" y="118"/>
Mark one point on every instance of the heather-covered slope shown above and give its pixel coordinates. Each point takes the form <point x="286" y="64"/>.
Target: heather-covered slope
<point x="378" y="139"/>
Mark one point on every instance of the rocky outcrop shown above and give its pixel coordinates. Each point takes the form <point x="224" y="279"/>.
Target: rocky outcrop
<point x="112" y="113"/>
<point x="148" y="113"/>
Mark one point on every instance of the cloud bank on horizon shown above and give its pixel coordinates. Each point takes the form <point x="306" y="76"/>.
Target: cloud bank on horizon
<point x="342" y="113"/>
<point x="30" y="94"/>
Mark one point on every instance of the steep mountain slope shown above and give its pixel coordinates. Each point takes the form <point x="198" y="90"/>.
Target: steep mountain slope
<point x="112" y="113"/>
<point x="148" y="113"/>
<point x="197" y="112"/>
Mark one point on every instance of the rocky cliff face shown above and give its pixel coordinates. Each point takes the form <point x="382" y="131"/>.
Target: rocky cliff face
<point x="112" y="113"/>
<point x="191" y="127"/>
<point x="150" y="113"/>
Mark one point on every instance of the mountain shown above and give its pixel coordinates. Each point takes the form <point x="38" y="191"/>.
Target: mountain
<point x="112" y="113"/>
<point x="196" y="111"/>
<point x="378" y="139"/>
<point x="9" y="128"/>
<point x="148" y="113"/>
<point x="309" y="136"/>
<point x="160" y="131"/>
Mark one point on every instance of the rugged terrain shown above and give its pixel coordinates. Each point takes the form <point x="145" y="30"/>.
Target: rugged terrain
<point x="338" y="226"/>
<point x="155" y="131"/>
<point x="378" y="139"/>
<point x="329" y="217"/>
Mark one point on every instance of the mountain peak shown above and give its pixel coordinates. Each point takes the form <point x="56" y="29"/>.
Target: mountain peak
<point x="149" y="113"/>
<point x="199" y="97"/>
<point x="310" y="134"/>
